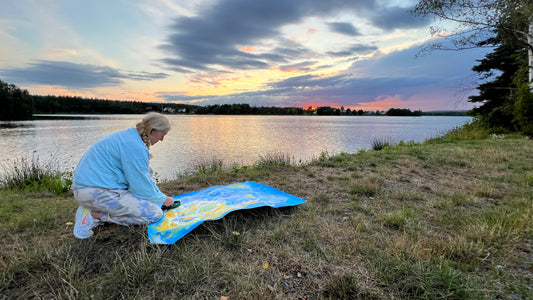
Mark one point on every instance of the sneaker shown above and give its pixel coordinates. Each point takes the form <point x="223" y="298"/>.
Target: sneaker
<point x="84" y="223"/>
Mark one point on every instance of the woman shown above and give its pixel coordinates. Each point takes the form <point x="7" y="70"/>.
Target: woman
<point x="113" y="182"/>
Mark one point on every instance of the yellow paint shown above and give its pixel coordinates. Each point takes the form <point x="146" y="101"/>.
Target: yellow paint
<point x="186" y="215"/>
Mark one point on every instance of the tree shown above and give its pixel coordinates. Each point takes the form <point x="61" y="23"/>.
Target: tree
<point x="327" y="111"/>
<point x="16" y="104"/>
<point x="476" y="21"/>
<point x="403" y="112"/>
<point x="497" y="96"/>
<point x="524" y="110"/>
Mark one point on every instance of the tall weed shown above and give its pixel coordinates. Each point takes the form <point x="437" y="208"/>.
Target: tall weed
<point x="209" y="167"/>
<point x="273" y="160"/>
<point x="29" y="173"/>
<point x="381" y="143"/>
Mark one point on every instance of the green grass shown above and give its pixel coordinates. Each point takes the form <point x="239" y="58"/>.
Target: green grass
<point x="209" y="167"/>
<point x="451" y="218"/>
<point x="30" y="174"/>
<point x="273" y="160"/>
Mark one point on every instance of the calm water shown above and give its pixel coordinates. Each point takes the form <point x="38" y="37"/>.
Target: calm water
<point x="233" y="139"/>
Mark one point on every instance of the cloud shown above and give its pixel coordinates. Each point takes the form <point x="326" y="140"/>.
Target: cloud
<point x="301" y="66"/>
<point x="397" y="18"/>
<point x="356" y="49"/>
<point x="344" y="28"/>
<point x="210" y="40"/>
<point x="72" y="75"/>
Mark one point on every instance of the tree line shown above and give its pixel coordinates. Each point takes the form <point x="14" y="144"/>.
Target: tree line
<point x="77" y="105"/>
<point x="18" y="104"/>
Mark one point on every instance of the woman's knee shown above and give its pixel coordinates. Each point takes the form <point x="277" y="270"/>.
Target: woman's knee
<point x="154" y="215"/>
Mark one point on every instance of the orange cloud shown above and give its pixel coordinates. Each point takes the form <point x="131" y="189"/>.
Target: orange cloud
<point x="385" y="104"/>
<point x="56" y="90"/>
<point x="382" y="104"/>
<point x="289" y="70"/>
<point x="293" y="38"/>
<point x="249" y="49"/>
<point x="310" y="30"/>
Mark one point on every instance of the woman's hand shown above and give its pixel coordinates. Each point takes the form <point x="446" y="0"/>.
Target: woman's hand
<point x="168" y="202"/>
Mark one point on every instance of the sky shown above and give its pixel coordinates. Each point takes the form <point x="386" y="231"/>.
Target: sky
<point x="358" y="54"/>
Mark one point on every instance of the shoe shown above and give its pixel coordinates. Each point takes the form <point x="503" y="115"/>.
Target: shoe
<point x="84" y="223"/>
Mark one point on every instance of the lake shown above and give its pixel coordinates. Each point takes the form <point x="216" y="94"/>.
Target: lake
<point x="199" y="139"/>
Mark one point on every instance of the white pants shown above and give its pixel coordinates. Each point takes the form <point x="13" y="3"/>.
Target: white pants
<point x="118" y="206"/>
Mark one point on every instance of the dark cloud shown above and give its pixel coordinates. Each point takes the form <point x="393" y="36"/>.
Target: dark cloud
<point x="301" y="66"/>
<point x="145" y="76"/>
<point x="344" y="28"/>
<point x="210" y="40"/>
<point x="397" y="18"/>
<point x="356" y="49"/>
<point x="72" y="75"/>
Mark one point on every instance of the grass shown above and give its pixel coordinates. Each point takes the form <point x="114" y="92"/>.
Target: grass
<point x="209" y="167"/>
<point x="273" y="160"/>
<point x="29" y="173"/>
<point x="380" y="143"/>
<point x="449" y="218"/>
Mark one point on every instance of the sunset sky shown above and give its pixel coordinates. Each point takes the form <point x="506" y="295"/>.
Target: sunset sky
<point x="360" y="54"/>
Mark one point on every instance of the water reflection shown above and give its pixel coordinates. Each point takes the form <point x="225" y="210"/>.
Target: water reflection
<point x="83" y="117"/>
<point x="232" y="139"/>
<point x="15" y="124"/>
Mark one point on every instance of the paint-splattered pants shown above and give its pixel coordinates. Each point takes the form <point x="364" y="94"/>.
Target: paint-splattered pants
<point x="118" y="206"/>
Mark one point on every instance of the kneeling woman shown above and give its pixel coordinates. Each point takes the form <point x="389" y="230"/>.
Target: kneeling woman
<point x="113" y="182"/>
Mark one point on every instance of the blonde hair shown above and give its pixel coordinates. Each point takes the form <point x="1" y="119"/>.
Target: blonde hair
<point x="152" y="121"/>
